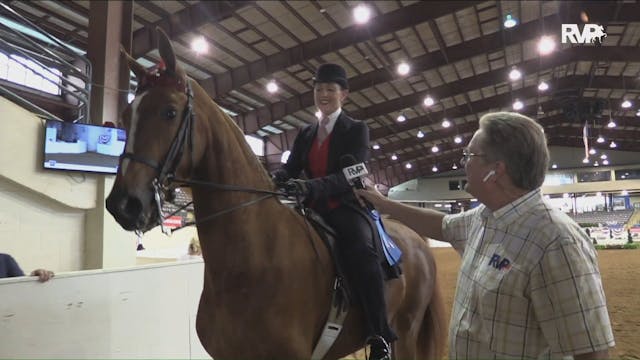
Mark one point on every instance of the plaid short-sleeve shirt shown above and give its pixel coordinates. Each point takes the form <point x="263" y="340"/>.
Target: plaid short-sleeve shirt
<point x="529" y="284"/>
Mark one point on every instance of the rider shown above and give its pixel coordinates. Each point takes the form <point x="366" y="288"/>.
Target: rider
<point x="317" y="151"/>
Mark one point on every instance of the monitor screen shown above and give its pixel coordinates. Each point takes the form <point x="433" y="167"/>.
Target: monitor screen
<point x="82" y="147"/>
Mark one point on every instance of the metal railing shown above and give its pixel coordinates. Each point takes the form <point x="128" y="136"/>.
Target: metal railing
<point x="47" y="52"/>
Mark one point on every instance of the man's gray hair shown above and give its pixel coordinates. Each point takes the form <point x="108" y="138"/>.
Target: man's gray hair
<point x="520" y="142"/>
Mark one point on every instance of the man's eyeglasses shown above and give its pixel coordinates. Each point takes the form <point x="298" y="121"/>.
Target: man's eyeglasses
<point x="466" y="155"/>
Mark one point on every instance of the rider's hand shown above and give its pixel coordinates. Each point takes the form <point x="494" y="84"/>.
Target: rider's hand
<point x="297" y="188"/>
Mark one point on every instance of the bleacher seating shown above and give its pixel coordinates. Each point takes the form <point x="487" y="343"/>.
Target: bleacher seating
<point x="603" y="217"/>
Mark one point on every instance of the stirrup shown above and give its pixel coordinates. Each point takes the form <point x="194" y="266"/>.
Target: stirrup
<point x="382" y="353"/>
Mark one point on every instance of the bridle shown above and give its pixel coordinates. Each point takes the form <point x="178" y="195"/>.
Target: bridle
<point x="184" y="137"/>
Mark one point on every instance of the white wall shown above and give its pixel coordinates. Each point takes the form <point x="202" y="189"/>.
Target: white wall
<point x="145" y="313"/>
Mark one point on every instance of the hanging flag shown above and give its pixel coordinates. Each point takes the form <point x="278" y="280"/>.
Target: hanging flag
<point x="585" y="139"/>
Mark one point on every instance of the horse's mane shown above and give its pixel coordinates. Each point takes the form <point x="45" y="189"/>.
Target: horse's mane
<point x="239" y="142"/>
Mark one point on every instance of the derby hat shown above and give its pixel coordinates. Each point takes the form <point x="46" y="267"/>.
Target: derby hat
<point x="331" y="73"/>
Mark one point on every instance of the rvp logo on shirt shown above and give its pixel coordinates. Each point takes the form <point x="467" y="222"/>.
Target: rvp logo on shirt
<point x="590" y="34"/>
<point x="499" y="262"/>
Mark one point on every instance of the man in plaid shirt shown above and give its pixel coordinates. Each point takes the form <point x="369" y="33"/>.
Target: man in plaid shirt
<point x="529" y="285"/>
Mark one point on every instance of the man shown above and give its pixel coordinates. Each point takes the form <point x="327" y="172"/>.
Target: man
<point x="529" y="284"/>
<point x="10" y="268"/>
<point x="317" y="151"/>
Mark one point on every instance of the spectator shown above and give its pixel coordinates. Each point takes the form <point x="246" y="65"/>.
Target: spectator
<point x="529" y="284"/>
<point x="10" y="268"/>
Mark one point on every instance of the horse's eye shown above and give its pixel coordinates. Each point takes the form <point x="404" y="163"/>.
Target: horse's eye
<point x="171" y="113"/>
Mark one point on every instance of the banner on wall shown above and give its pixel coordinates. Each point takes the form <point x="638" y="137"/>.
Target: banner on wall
<point x="173" y="222"/>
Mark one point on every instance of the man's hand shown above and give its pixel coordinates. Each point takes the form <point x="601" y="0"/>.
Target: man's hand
<point x="296" y="187"/>
<point x="42" y="274"/>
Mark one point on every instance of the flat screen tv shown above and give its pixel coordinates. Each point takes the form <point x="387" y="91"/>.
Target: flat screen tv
<point x="82" y="147"/>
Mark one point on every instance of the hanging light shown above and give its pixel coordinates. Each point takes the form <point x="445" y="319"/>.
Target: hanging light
<point x="420" y="134"/>
<point x="510" y="21"/>
<point x="394" y="157"/>
<point x="446" y="123"/>
<point x="515" y="74"/>
<point x="428" y="101"/>
<point x="455" y="166"/>
<point x="605" y="162"/>
<point x="543" y="86"/>
<point x="592" y="151"/>
<point x="517" y="105"/>
<point x="434" y="168"/>
<point x="611" y="123"/>
<point x="554" y="166"/>
<point x="408" y="165"/>
<point x="376" y="147"/>
<point x="626" y="104"/>
<point x="600" y="139"/>
<point x="199" y="45"/>
<point x="361" y="14"/>
<point x="546" y="45"/>
<point x="613" y="145"/>
<point x="457" y="139"/>
<point x="272" y="87"/>
<point x="603" y="156"/>
<point x="435" y="149"/>
<point x="401" y="118"/>
<point x="596" y="163"/>
<point x="403" y="69"/>
<point x="585" y="160"/>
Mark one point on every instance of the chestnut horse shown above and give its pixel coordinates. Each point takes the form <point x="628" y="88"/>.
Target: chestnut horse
<point x="268" y="276"/>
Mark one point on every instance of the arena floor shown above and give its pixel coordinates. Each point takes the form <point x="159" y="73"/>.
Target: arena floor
<point x="620" y="270"/>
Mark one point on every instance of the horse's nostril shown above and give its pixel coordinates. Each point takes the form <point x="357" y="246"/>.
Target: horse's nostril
<point x="132" y="207"/>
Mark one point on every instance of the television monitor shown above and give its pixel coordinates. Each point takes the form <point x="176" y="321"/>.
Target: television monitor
<point x="82" y="147"/>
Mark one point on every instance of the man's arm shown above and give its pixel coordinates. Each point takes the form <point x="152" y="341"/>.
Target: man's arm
<point x="425" y="222"/>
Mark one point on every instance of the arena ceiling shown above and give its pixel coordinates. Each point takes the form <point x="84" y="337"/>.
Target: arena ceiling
<point x="460" y="55"/>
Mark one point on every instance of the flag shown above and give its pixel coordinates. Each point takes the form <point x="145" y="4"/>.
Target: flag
<point x="585" y="139"/>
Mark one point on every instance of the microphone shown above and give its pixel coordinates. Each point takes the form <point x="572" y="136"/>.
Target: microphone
<point x="353" y="170"/>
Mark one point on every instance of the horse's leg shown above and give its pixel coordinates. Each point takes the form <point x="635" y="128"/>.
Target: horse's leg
<point x="433" y="330"/>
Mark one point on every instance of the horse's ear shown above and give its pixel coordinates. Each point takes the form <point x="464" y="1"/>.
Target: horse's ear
<point x="134" y="66"/>
<point x="166" y="51"/>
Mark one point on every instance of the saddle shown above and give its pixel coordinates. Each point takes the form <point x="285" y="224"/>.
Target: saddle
<point x="388" y="252"/>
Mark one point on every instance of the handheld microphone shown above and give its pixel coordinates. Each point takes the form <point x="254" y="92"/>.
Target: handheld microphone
<point x="489" y="174"/>
<point x="353" y="171"/>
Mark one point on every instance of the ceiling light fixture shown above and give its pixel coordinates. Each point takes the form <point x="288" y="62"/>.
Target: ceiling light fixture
<point x="435" y="149"/>
<point x="546" y="45"/>
<point x="434" y="168"/>
<point x="626" y="104"/>
<point x="585" y="160"/>
<point x="446" y="123"/>
<point x="376" y="147"/>
<point x="428" y="101"/>
<point x="272" y="86"/>
<point x="600" y="139"/>
<point x="401" y="118"/>
<point x="394" y="157"/>
<point x="554" y="166"/>
<point x="199" y="45"/>
<point x="420" y="134"/>
<point x="543" y="86"/>
<point x="455" y="166"/>
<point x="517" y="105"/>
<point x="605" y="162"/>
<point x="613" y="145"/>
<point x="515" y="74"/>
<point x="403" y="69"/>
<point x="592" y="151"/>
<point x="408" y="166"/>
<point x="361" y="14"/>
<point x="510" y="21"/>
<point x="457" y="139"/>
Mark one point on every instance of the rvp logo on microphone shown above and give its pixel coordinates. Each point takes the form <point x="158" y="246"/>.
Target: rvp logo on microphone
<point x="590" y="34"/>
<point x="355" y="171"/>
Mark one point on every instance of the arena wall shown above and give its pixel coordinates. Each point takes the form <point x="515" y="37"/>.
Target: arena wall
<point x="144" y="312"/>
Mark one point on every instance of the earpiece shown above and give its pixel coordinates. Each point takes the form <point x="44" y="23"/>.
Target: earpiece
<point x="489" y="174"/>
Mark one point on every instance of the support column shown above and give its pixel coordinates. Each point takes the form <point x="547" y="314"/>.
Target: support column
<point x="106" y="244"/>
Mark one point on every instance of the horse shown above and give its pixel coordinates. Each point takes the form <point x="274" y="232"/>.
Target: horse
<point x="268" y="277"/>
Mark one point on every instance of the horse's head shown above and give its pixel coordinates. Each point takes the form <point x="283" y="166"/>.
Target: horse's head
<point x="160" y="129"/>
